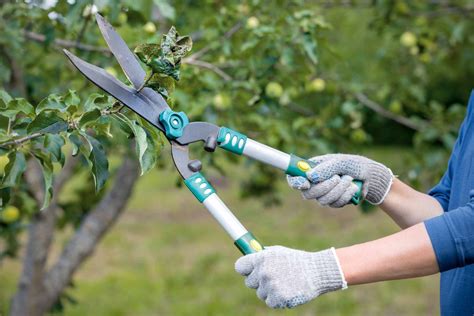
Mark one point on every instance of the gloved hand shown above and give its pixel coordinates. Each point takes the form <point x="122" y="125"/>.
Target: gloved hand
<point x="331" y="180"/>
<point x="285" y="278"/>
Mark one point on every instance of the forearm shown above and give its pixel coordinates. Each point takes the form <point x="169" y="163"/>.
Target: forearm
<point x="406" y="254"/>
<point x="408" y="207"/>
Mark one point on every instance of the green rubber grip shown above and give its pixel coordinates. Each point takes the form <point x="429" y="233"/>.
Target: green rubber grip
<point x="248" y="244"/>
<point x="299" y="166"/>
<point x="231" y="140"/>
<point x="199" y="186"/>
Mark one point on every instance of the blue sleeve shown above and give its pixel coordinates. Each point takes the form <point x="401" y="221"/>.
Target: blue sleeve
<point x="442" y="190"/>
<point x="452" y="234"/>
<point x="452" y="237"/>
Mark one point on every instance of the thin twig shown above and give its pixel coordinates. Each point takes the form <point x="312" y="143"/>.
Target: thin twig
<point x="206" y="65"/>
<point x="66" y="43"/>
<point x="364" y="100"/>
<point x="21" y="140"/>
<point x="82" y="31"/>
<point x="300" y="109"/>
<point x="228" y="34"/>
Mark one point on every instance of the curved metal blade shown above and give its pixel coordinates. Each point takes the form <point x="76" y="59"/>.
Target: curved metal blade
<point x="127" y="60"/>
<point x="137" y="102"/>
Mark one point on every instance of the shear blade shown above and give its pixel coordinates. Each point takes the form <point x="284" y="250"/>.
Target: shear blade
<point x="136" y="101"/>
<point x="127" y="60"/>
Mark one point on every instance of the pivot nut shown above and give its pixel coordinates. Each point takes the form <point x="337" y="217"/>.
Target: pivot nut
<point x="174" y="123"/>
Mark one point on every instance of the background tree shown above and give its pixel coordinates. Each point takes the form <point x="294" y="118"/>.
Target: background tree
<point x="279" y="71"/>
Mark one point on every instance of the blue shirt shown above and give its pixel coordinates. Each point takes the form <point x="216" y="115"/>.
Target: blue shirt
<point x="452" y="234"/>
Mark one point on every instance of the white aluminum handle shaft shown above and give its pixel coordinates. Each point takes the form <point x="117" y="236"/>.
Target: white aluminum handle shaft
<point x="266" y="154"/>
<point x="224" y="216"/>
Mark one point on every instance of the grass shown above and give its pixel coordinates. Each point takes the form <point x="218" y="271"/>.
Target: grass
<point x="167" y="256"/>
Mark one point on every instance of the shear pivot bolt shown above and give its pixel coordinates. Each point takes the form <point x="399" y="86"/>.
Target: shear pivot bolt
<point x="174" y="123"/>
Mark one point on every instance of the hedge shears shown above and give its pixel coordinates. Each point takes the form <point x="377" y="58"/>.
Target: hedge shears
<point x="180" y="133"/>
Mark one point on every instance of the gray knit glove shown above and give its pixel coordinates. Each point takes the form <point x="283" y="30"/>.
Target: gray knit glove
<point x="331" y="180"/>
<point x="285" y="278"/>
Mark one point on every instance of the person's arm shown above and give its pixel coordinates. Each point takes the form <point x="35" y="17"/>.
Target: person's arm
<point x="331" y="183"/>
<point x="285" y="277"/>
<point x="406" y="254"/>
<point x="408" y="207"/>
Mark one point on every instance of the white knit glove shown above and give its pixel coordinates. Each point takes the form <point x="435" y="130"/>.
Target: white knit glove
<point x="285" y="278"/>
<point x="330" y="181"/>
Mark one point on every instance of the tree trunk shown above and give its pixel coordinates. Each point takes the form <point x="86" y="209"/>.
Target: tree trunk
<point x="38" y="289"/>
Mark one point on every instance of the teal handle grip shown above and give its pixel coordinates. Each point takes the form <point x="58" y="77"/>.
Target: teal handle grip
<point x="299" y="166"/>
<point x="248" y="244"/>
<point x="199" y="186"/>
<point x="231" y="140"/>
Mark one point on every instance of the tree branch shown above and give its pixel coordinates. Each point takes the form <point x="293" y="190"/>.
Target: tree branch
<point x="21" y="140"/>
<point x="191" y="60"/>
<point x="93" y="227"/>
<point x="364" y="100"/>
<point x="17" y="81"/>
<point x="40" y="38"/>
<point x="83" y="30"/>
<point x="206" y="65"/>
<point x="294" y="107"/>
<point x="228" y="34"/>
<point x="29" y="296"/>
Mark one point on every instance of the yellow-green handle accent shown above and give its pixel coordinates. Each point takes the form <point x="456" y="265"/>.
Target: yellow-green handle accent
<point x="299" y="166"/>
<point x="248" y="244"/>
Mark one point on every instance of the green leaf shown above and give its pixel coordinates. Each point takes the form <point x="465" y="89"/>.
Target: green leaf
<point x="89" y="117"/>
<point x="150" y="155"/>
<point x="155" y="144"/>
<point x="162" y="84"/>
<point x="310" y="45"/>
<point x="5" y="97"/>
<point x="175" y="47"/>
<point x="141" y="143"/>
<point x="102" y="125"/>
<point x="16" y="106"/>
<point x="52" y="102"/>
<point x="71" y="98"/>
<point x="47" y="122"/>
<point x="122" y="125"/>
<point x="53" y="143"/>
<point x="45" y="160"/>
<point x="14" y="169"/>
<point x="5" y="196"/>
<point x="95" y="101"/>
<point x="146" y="52"/>
<point x="76" y="142"/>
<point x="73" y="102"/>
<point x="164" y="60"/>
<point x="165" y="9"/>
<point x="165" y="67"/>
<point x="98" y="161"/>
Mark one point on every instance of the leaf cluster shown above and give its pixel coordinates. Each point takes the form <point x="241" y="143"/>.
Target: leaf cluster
<point x="58" y="126"/>
<point x="164" y="60"/>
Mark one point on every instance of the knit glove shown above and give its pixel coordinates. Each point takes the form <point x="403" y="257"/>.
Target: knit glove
<point x="285" y="278"/>
<point x="330" y="181"/>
